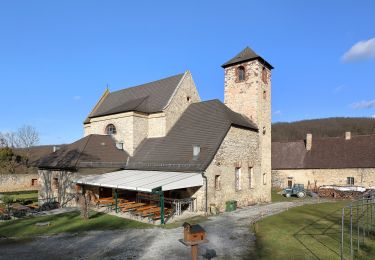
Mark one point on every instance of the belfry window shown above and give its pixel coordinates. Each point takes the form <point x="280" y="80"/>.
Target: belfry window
<point x="110" y="129"/>
<point x="241" y="73"/>
<point x="264" y="75"/>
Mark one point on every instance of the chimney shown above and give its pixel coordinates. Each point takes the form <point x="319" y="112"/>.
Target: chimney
<point x="196" y="152"/>
<point x="348" y="135"/>
<point x="308" y="142"/>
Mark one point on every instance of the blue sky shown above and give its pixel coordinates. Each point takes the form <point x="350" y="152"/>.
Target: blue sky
<point x="57" y="57"/>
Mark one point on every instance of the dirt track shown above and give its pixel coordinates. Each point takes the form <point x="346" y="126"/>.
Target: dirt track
<point x="229" y="235"/>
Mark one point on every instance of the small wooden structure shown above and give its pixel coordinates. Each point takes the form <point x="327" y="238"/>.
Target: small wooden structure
<point x="194" y="235"/>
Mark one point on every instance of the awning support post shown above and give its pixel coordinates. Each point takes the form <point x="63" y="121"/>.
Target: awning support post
<point x="116" y="201"/>
<point x="161" y="203"/>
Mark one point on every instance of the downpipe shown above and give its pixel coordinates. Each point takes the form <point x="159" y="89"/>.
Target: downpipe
<point x="205" y="193"/>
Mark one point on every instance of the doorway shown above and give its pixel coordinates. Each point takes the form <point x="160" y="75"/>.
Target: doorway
<point x="290" y="183"/>
<point x="105" y="192"/>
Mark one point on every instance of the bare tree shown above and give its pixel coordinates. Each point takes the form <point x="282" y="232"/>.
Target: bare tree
<point x="9" y="139"/>
<point x="27" y="136"/>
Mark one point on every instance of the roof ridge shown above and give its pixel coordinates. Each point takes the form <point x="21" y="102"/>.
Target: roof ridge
<point x="81" y="151"/>
<point x="139" y="85"/>
<point x="177" y="87"/>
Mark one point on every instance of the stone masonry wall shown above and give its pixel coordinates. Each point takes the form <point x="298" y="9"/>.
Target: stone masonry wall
<point x="252" y="98"/>
<point x="240" y="148"/>
<point x="18" y="182"/>
<point x="156" y="125"/>
<point x="311" y="177"/>
<point x="58" y="185"/>
<point x="186" y="94"/>
<point x="131" y="128"/>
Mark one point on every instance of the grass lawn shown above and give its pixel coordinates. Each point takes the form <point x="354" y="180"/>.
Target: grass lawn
<point x="23" y="195"/>
<point x="68" y="222"/>
<point x="306" y="232"/>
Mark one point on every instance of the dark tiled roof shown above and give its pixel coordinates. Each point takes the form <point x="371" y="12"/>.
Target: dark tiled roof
<point x="288" y="155"/>
<point x="91" y="151"/>
<point x="36" y="152"/>
<point x="326" y="153"/>
<point x="147" y="98"/>
<point x="204" y="124"/>
<point x="246" y="55"/>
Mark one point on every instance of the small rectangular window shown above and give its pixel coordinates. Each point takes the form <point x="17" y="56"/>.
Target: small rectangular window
<point x="55" y="183"/>
<point x="350" y="180"/>
<point x="264" y="75"/>
<point x="264" y="178"/>
<point x="264" y="94"/>
<point x="251" y="173"/>
<point x="217" y="182"/>
<point x="34" y="182"/>
<point x="238" y="178"/>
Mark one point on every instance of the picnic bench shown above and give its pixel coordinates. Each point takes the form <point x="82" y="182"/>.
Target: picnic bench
<point x="132" y="207"/>
<point x="157" y="215"/>
<point x="141" y="210"/>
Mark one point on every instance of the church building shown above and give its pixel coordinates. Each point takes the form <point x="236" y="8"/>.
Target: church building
<point x="159" y="139"/>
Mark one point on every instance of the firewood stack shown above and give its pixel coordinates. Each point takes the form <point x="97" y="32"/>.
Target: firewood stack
<point x="338" y="194"/>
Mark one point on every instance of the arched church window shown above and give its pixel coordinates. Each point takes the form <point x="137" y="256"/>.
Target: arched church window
<point x="241" y="73"/>
<point x="110" y="129"/>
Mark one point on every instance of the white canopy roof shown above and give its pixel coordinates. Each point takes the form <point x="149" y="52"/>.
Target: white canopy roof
<point x="144" y="180"/>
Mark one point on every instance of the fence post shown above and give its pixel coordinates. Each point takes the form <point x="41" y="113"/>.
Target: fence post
<point x="357" y="228"/>
<point x="342" y="233"/>
<point x="363" y="224"/>
<point x="351" y="231"/>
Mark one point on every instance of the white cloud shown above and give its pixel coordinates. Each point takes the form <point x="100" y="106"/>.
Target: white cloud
<point x="360" y="51"/>
<point x="77" y="98"/>
<point x="364" y="104"/>
<point x="373" y="116"/>
<point x="338" y="89"/>
<point x="277" y="112"/>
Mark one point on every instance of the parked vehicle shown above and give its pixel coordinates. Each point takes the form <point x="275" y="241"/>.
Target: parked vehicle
<point x="297" y="190"/>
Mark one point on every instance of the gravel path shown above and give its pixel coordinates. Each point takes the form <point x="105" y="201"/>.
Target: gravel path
<point x="229" y="235"/>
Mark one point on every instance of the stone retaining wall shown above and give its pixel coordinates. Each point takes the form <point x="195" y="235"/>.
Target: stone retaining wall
<point x="18" y="182"/>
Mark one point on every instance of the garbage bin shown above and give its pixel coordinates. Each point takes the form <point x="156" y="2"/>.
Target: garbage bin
<point x="230" y="205"/>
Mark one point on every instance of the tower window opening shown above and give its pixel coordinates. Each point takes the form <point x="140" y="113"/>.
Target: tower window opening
<point x="110" y="129"/>
<point x="264" y="75"/>
<point x="241" y="73"/>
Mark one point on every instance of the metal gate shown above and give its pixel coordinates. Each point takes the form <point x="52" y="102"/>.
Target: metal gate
<point x="357" y="226"/>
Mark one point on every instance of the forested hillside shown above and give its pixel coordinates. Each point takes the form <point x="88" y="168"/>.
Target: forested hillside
<point x="327" y="127"/>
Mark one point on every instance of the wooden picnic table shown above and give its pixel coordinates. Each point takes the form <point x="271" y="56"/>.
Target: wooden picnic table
<point x="146" y="208"/>
<point x="105" y="200"/>
<point x="152" y="211"/>
<point x="157" y="215"/>
<point x="125" y="203"/>
<point x="132" y="206"/>
<point x="139" y="211"/>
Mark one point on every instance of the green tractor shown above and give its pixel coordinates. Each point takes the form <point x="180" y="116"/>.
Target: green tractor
<point x="297" y="190"/>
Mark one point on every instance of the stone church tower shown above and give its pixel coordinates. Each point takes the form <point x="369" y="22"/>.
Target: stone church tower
<point x="247" y="90"/>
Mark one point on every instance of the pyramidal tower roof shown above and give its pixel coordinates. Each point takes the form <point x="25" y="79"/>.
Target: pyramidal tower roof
<point x="246" y="54"/>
